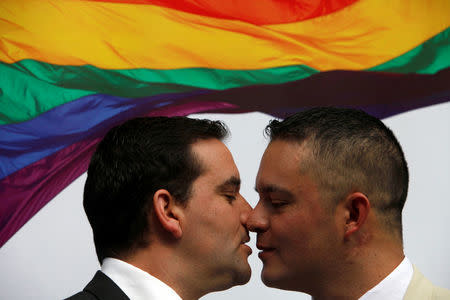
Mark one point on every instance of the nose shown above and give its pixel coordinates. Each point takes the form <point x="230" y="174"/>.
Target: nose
<point x="245" y="211"/>
<point x="257" y="220"/>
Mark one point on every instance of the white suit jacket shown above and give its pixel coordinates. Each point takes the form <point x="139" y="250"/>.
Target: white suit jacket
<point x="421" y="288"/>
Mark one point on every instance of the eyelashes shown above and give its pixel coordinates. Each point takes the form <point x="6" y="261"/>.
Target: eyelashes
<point x="230" y="198"/>
<point x="277" y="204"/>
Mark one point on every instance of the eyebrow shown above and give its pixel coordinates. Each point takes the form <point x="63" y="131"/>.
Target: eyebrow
<point x="271" y="188"/>
<point x="232" y="182"/>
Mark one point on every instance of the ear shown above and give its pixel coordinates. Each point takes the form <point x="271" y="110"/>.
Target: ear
<point x="167" y="212"/>
<point x="357" y="207"/>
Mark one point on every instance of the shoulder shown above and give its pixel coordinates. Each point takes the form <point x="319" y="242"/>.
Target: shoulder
<point x="440" y="293"/>
<point x="421" y="288"/>
<point x="100" y="287"/>
<point x="82" y="296"/>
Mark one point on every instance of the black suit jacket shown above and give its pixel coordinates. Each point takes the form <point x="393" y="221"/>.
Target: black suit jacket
<point x="101" y="287"/>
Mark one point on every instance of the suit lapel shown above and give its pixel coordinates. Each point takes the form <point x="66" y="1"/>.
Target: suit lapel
<point x="419" y="287"/>
<point x="102" y="287"/>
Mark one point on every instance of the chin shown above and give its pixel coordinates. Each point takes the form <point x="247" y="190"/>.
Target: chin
<point x="238" y="277"/>
<point x="268" y="281"/>
<point x="280" y="282"/>
<point x="273" y="280"/>
<point x="242" y="273"/>
<point x="232" y="279"/>
<point x="243" y="276"/>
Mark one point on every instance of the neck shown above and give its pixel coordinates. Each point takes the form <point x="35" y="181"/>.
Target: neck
<point x="164" y="263"/>
<point x="361" y="271"/>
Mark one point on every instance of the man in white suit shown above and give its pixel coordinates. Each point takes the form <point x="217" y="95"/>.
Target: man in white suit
<point x="332" y="186"/>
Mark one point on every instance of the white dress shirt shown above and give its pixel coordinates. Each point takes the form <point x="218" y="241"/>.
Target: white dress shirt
<point x="135" y="283"/>
<point x="394" y="286"/>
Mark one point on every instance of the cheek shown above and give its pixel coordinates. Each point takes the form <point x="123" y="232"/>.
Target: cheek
<point x="225" y="225"/>
<point x="294" y="234"/>
<point x="287" y="229"/>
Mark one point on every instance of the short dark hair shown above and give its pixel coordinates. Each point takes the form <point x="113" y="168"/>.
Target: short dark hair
<point x="130" y="164"/>
<point x="351" y="151"/>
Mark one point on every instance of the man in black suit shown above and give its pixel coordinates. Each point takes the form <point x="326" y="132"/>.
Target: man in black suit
<point x="162" y="197"/>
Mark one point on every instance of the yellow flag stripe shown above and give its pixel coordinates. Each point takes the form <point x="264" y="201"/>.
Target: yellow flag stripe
<point x="129" y="36"/>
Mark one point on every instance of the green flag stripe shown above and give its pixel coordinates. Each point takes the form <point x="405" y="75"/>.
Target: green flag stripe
<point x="29" y="88"/>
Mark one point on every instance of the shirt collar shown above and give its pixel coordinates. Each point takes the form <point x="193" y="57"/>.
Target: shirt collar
<point x="136" y="283"/>
<point x="394" y="286"/>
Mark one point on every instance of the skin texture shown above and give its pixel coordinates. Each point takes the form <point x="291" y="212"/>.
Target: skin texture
<point x="215" y="217"/>
<point x="200" y="248"/>
<point x="298" y="235"/>
<point x="309" y="244"/>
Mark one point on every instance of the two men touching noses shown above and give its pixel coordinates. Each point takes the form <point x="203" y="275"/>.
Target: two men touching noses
<point x="162" y="197"/>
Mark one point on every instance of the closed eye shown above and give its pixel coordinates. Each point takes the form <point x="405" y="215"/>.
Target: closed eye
<point x="274" y="202"/>
<point x="274" y="196"/>
<point x="278" y="204"/>
<point x="230" y="198"/>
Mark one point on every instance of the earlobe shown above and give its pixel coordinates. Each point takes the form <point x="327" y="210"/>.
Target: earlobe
<point x="357" y="211"/>
<point x="167" y="212"/>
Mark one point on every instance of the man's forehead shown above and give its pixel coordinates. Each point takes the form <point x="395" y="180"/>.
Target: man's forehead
<point x="263" y="188"/>
<point x="216" y="162"/>
<point x="287" y="156"/>
<point x="301" y="148"/>
<point x="275" y="178"/>
<point x="232" y="182"/>
<point x="211" y="151"/>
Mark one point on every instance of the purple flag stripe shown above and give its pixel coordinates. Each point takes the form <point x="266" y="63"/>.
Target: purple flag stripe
<point x="24" y="143"/>
<point x="26" y="191"/>
<point x="381" y="94"/>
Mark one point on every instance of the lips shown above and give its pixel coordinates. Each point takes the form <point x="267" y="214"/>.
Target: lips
<point x="246" y="239"/>
<point x="247" y="248"/>
<point x="266" y="251"/>
<point x="264" y="247"/>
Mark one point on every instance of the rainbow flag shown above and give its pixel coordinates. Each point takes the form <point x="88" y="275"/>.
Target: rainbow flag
<point x="70" y="70"/>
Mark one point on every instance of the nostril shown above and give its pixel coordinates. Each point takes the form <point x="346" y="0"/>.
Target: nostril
<point x="251" y="226"/>
<point x="255" y="229"/>
<point x="257" y="224"/>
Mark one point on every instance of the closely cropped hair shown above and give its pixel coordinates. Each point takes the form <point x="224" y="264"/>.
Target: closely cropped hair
<point x="351" y="151"/>
<point x="131" y="163"/>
